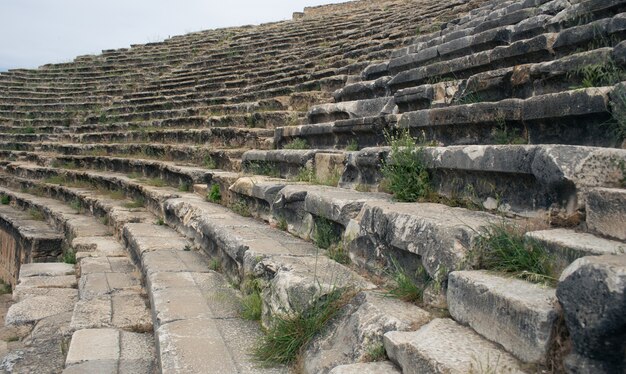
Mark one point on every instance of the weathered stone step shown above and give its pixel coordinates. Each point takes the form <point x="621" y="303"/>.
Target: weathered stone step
<point x="443" y="346"/>
<point x="26" y="239"/>
<point x="536" y="49"/>
<point x="568" y="245"/>
<point x="94" y="154"/>
<point x="198" y="325"/>
<point x="542" y="119"/>
<point x="519" y="315"/>
<point x="110" y="351"/>
<point x="606" y="210"/>
<point x="44" y="300"/>
<point x="347" y="110"/>
<point x="501" y="168"/>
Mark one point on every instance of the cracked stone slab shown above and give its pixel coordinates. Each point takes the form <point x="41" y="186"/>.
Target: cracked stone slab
<point x="35" y="308"/>
<point x="443" y="346"/>
<point x="98" y="284"/>
<point x="478" y="299"/>
<point x="47" y="269"/>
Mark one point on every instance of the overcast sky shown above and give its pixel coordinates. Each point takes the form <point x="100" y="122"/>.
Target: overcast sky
<point x="36" y="32"/>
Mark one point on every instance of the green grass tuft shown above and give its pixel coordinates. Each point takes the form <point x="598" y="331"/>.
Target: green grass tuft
<point x="136" y="203"/>
<point x="325" y="235"/>
<point x="69" y="256"/>
<point x="296" y="144"/>
<point x="404" y="172"/>
<point x="5" y="199"/>
<point x="215" y="194"/>
<point x="504" y="248"/>
<point x="407" y="287"/>
<point x="289" y="334"/>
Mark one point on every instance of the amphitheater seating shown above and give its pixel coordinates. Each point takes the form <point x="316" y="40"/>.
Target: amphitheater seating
<point x="188" y="175"/>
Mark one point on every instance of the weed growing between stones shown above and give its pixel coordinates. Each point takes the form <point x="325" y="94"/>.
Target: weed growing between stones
<point x="502" y="134"/>
<point x="215" y="264"/>
<point x="76" y="205"/>
<point x="263" y="168"/>
<point x="406" y="287"/>
<point x="598" y="75"/>
<point x="159" y="222"/>
<point x="307" y="174"/>
<point x="215" y="194"/>
<point x="352" y="146"/>
<point x="251" y="303"/>
<point x="240" y="207"/>
<point x="5" y="289"/>
<point x="5" y="199"/>
<point x="337" y="253"/>
<point x="404" y="172"/>
<point x="36" y="214"/>
<point x="282" y="224"/>
<point x="69" y="256"/>
<point x="296" y="144"/>
<point x="504" y="248"/>
<point x="287" y="336"/>
<point x="618" y="111"/>
<point x="375" y="352"/>
<point x="209" y="162"/>
<point x="137" y="203"/>
<point x="184" y="187"/>
<point x="325" y="235"/>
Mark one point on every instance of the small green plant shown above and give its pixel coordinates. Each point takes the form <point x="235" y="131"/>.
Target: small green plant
<point x="375" y="352"/>
<point x="337" y="253"/>
<point x="251" y="303"/>
<point x="504" y="248"/>
<point x="136" y="203"/>
<point x="69" y="256"/>
<point x="352" y="146"/>
<point x="404" y="172"/>
<point x="35" y="214"/>
<point x="296" y="144"/>
<point x="184" y="187"/>
<point x="468" y="98"/>
<point x="159" y="222"/>
<point x="215" y="194"/>
<point x="76" y="205"/>
<point x="209" y="162"/>
<point x="406" y="287"/>
<point x="502" y="134"/>
<point x="215" y="264"/>
<point x="187" y="248"/>
<point x="5" y="199"/>
<point x="305" y="174"/>
<point x="598" y="75"/>
<point x="241" y="207"/>
<point x="325" y="235"/>
<point x="263" y="168"/>
<point x="155" y="182"/>
<point x="288" y="334"/>
<point x="5" y="288"/>
<point x="282" y="224"/>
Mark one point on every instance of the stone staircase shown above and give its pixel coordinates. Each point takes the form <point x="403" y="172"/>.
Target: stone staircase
<point x="191" y="175"/>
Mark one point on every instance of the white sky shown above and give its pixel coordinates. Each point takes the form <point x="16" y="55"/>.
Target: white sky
<point x="36" y="32"/>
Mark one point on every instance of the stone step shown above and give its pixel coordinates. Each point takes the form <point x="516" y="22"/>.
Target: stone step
<point x="27" y="239"/>
<point x="568" y="245"/>
<point x="443" y="346"/>
<point x="501" y="168"/>
<point x="195" y="310"/>
<point x="606" y="210"/>
<point x="110" y="351"/>
<point x="541" y="119"/>
<point x="516" y="314"/>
